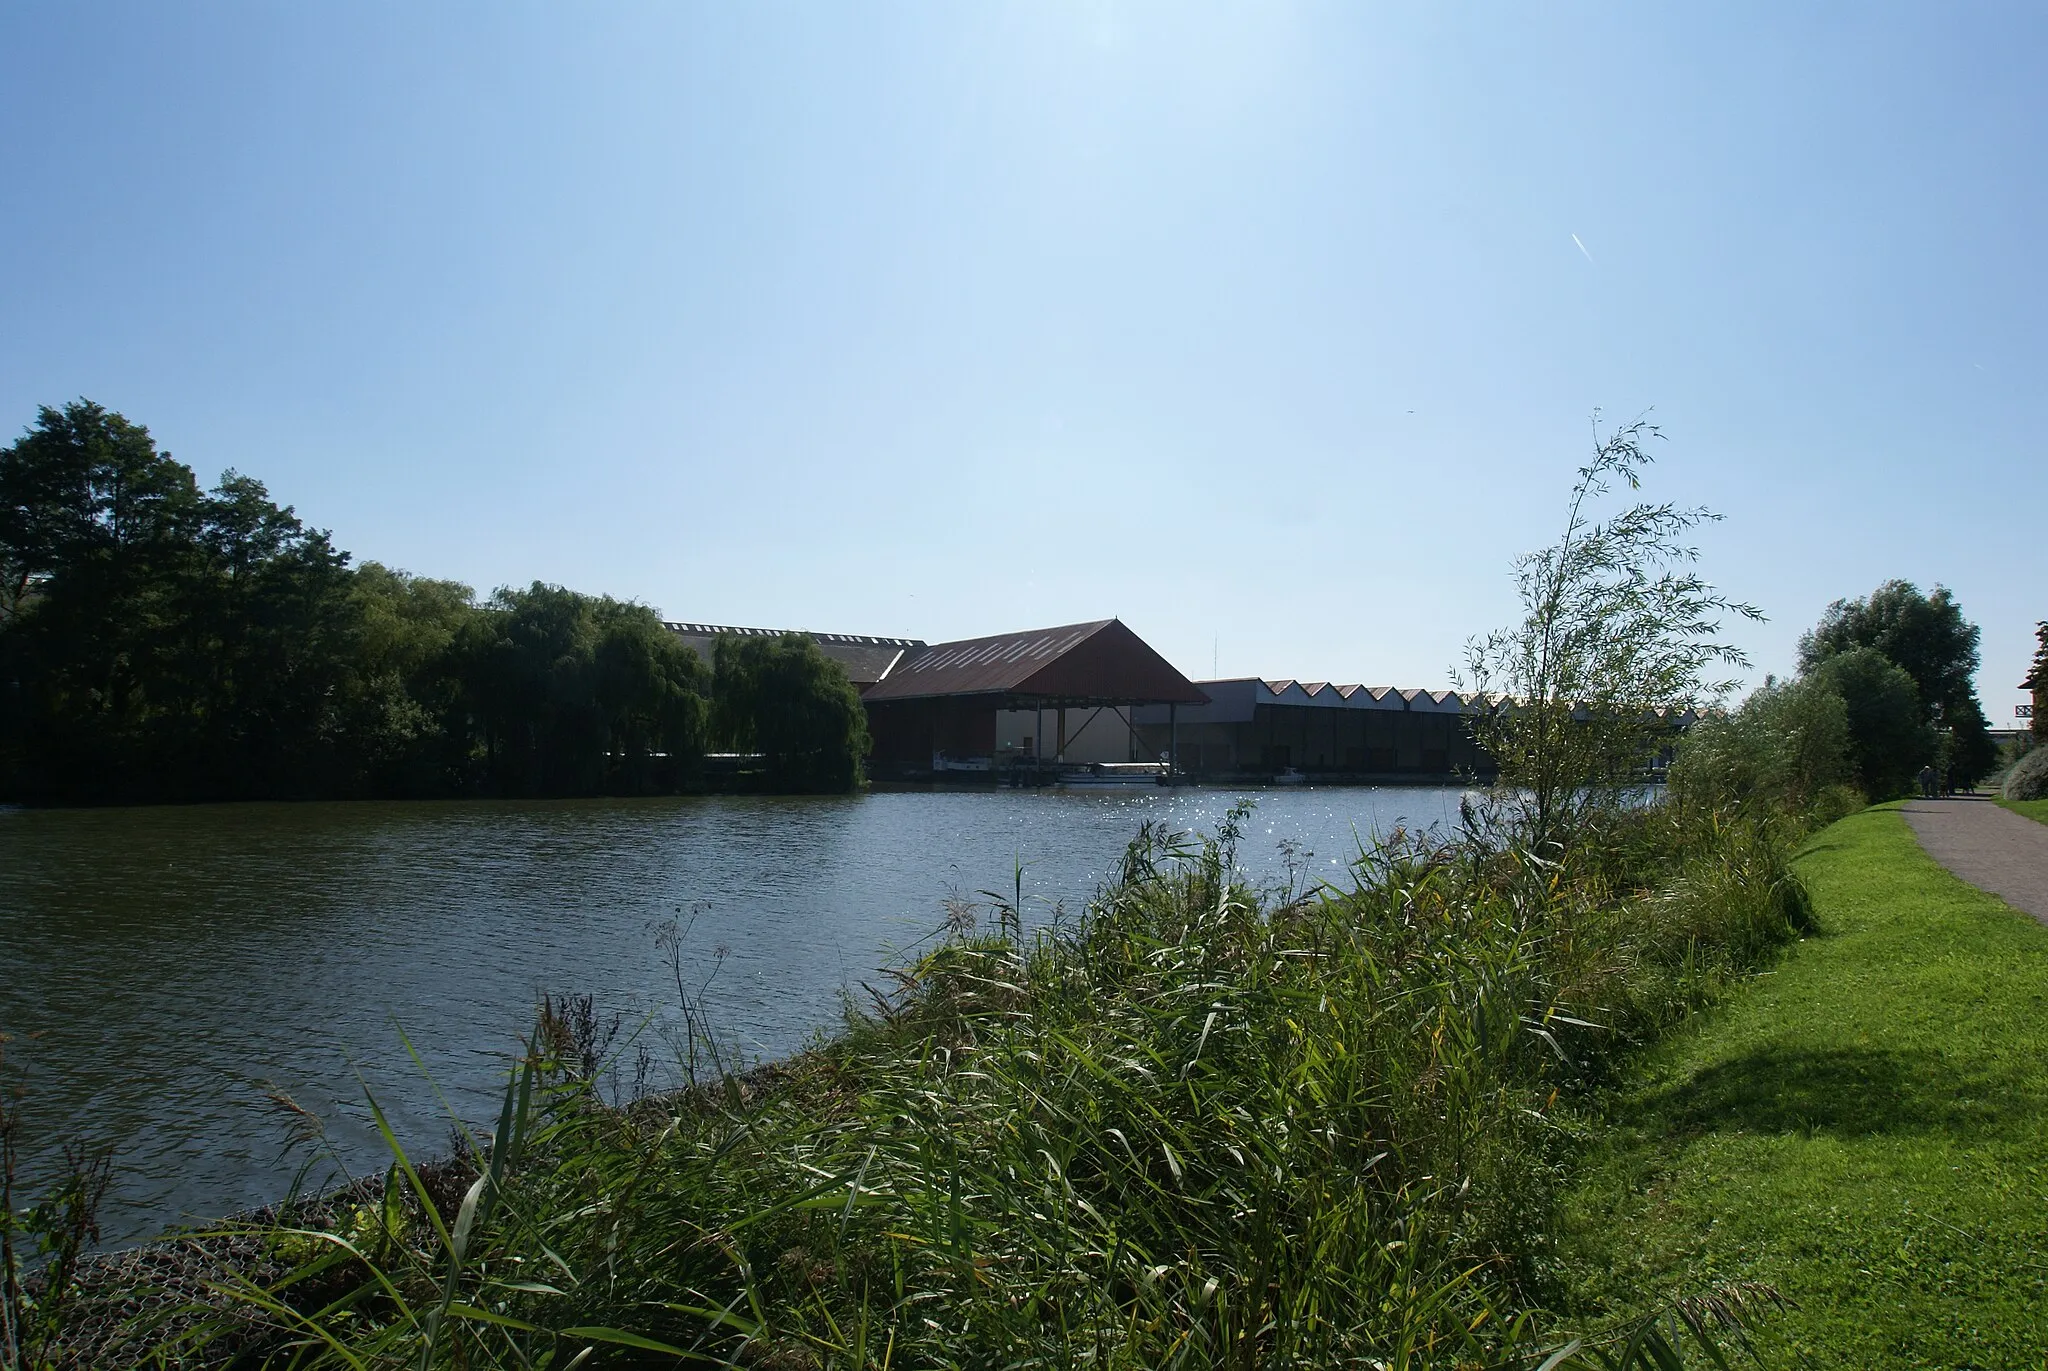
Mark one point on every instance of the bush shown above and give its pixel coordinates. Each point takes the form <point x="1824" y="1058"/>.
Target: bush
<point x="1787" y="745"/>
<point x="2028" y="779"/>
<point x="1835" y="803"/>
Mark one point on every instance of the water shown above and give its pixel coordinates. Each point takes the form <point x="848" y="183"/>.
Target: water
<point x="161" y="969"/>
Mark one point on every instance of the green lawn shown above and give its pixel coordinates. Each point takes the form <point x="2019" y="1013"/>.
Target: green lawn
<point x="2033" y="809"/>
<point x="1865" y="1128"/>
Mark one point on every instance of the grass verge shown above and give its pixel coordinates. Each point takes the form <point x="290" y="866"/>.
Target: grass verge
<point x="1866" y="1129"/>
<point x="2037" y="810"/>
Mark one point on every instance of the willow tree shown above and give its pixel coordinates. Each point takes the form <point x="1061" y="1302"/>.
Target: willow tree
<point x="1619" y="631"/>
<point x="784" y="698"/>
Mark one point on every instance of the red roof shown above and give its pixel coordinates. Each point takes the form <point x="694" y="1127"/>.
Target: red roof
<point x="1102" y="662"/>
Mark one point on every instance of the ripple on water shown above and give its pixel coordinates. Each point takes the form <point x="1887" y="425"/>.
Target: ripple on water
<point x="178" y="961"/>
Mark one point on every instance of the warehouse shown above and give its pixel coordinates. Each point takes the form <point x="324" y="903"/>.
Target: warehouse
<point x="1256" y="727"/>
<point x="1043" y="698"/>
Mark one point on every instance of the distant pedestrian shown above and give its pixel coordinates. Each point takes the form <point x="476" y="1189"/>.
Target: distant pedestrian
<point x="1927" y="781"/>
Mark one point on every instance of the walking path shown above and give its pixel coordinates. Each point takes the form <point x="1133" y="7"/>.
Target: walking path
<point x="1993" y="849"/>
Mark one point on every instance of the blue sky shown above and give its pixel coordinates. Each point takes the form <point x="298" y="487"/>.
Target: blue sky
<point x="1261" y="326"/>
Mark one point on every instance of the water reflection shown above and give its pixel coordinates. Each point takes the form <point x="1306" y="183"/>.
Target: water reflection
<point x="179" y="962"/>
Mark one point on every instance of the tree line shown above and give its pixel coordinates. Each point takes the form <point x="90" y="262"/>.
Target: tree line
<point x="1884" y="691"/>
<point x="164" y="642"/>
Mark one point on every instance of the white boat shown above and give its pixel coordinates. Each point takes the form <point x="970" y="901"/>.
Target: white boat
<point x="1117" y="773"/>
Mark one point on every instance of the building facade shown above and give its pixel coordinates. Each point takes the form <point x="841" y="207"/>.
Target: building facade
<point x="1256" y="727"/>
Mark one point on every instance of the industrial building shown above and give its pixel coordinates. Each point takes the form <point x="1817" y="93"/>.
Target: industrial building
<point x="1022" y="701"/>
<point x="1049" y="702"/>
<point x="1313" y="728"/>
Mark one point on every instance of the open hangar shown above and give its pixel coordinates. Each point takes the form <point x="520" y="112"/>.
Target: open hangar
<point x="1043" y="698"/>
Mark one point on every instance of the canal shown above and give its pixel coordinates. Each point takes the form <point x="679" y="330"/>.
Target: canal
<point x="162" y="970"/>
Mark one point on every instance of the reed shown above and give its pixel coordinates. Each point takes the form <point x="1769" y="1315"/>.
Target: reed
<point x="1201" y="1126"/>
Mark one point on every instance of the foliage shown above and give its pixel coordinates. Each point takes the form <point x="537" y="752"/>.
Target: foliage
<point x="1788" y="745"/>
<point x="784" y="698"/>
<point x="575" y="694"/>
<point x="2028" y="779"/>
<point x="1866" y="1130"/>
<point x="1889" y="740"/>
<point x="42" y="1245"/>
<point x="2016" y="747"/>
<point x="1199" y="1127"/>
<point x="1928" y="637"/>
<point x="1617" y="632"/>
<point x="405" y="708"/>
<point x="2037" y="677"/>
<point x="160" y="630"/>
<point x="160" y="642"/>
<point x="86" y="492"/>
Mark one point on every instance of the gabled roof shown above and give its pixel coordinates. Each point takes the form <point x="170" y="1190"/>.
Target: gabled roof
<point x="1101" y="661"/>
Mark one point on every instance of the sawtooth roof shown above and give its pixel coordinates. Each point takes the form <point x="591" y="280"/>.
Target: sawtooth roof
<point x="865" y="658"/>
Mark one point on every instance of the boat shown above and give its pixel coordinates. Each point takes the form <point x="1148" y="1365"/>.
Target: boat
<point x="1116" y="773"/>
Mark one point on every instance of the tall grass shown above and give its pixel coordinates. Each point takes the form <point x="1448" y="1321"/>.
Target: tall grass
<point x="1199" y="1127"/>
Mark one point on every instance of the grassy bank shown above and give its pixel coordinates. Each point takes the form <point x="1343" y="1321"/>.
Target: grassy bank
<point x="1205" y="1126"/>
<point x="1866" y="1129"/>
<point x="2036" y="810"/>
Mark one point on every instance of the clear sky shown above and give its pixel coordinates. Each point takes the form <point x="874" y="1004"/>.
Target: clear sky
<point x="1273" y="329"/>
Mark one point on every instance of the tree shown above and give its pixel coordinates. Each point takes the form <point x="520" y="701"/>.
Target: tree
<point x="96" y="544"/>
<point x="176" y="645"/>
<point x="1787" y="744"/>
<point x="1928" y="637"/>
<point x="1889" y="738"/>
<point x="786" y="699"/>
<point x="268" y="649"/>
<point x="158" y="642"/>
<point x="1617" y="631"/>
<point x="85" y="488"/>
<point x="653" y="693"/>
<point x="2037" y="681"/>
<point x="533" y="679"/>
<point x="407" y="722"/>
<point x="580" y="695"/>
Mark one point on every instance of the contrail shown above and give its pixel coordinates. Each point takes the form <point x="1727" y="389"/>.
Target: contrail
<point x="1581" y="247"/>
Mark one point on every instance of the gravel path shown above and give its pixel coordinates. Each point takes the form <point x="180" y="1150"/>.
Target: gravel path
<point x="1993" y="849"/>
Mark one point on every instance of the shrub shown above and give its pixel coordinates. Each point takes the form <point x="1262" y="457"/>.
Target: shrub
<point x="2028" y="779"/>
<point x="1836" y="802"/>
<point x="1787" y="745"/>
